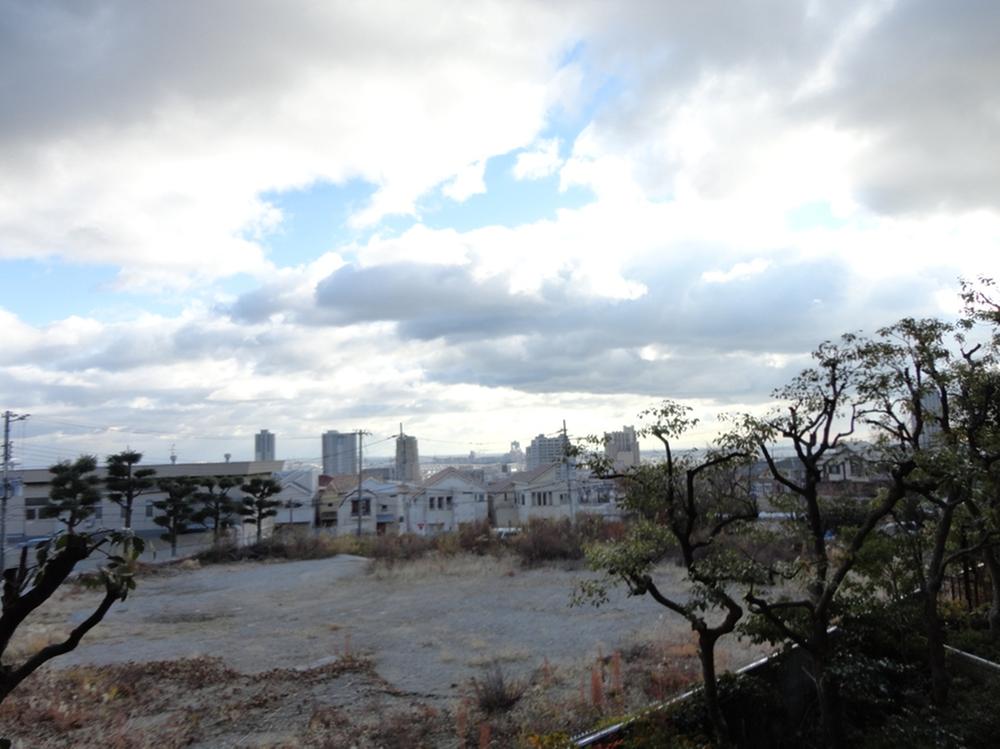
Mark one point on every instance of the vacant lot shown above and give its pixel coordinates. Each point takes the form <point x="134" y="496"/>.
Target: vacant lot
<point x="288" y="654"/>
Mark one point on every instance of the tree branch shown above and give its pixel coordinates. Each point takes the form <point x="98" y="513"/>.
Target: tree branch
<point x="9" y="682"/>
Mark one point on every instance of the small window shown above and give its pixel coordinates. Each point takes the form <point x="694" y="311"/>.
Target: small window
<point x="30" y="514"/>
<point x="448" y="499"/>
<point x="99" y="512"/>
<point x="149" y="510"/>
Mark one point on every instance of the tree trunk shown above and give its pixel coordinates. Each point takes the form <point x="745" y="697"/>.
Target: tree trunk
<point x="827" y="694"/>
<point x="706" y="652"/>
<point x="935" y="643"/>
<point x="259" y="529"/>
<point x="128" y="514"/>
<point x="935" y="630"/>
<point x="829" y="709"/>
<point x="993" y="565"/>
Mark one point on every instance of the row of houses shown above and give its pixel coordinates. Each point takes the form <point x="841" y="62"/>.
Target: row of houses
<point x="441" y="503"/>
<point x="452" y="497"/>
<point x="438" y="504"/>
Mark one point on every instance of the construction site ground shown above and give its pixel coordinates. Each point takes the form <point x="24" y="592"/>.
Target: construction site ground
<point x="323" y="652"/>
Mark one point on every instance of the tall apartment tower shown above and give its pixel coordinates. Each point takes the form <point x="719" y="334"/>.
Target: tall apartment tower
<point x="407" y="458"/>
<point x="340" y="452"/>
<point x="543" y="450"/>
<point x="623" y="448"/>
<point x="263" y="445"/>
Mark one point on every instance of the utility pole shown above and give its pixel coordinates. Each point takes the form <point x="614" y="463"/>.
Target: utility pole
<point x="569" y="480"/>
<point x="361" y="436"/>
<point x="7" y="418"/>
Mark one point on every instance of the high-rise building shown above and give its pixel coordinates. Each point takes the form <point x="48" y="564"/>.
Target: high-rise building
<point x="263" y="445"/>
<point x="340" y="452"/>
<point x="543" y="450"/>
<point x="622" y="448"/>
<point x="407" y="458"/>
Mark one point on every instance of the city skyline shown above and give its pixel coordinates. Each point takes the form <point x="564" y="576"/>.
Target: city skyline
<point x="479" y="221"/>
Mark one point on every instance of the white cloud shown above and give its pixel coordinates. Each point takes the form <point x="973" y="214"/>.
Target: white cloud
<point x="154" y="158"/>
<point x="468" y="182"/>
<point x="739" y="272"/>
<point x="796" y="152"/>
<point x="541" y="161"/>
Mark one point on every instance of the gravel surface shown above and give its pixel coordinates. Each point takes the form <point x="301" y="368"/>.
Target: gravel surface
<point x="429" y="625"/>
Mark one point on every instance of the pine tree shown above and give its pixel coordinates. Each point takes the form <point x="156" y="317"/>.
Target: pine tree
<point x="258" y="505"/>
<point x="176" y="510"/>
<point x="217" y="509"/>
<point x="125" y="482"/>
<point x="75" y="491"/>
<point x="36" y="578"/>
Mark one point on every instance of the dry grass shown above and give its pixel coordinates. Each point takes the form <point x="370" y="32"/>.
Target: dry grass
<point x="175" y="703"/>
<point x="436" y="565"/>
<point x="495" y="690"/>
<point x="34" y="638"/>
<point x="504" y="655"/>
<point x="344" y="703"/>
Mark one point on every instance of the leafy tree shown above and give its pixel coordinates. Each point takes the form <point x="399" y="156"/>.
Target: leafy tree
<point x="125" y="482"/>
<point x="821" y="408"/>
<point x="75" y="492"/>
<point x="914" y="387"/>
<point x="686" y="506"/>
<point x="31" y="583"/>
<point x="979" y="420"/>
<point x="258" y="505"/>
<point x="217" y="509"/>
<point x="176" y="510"/>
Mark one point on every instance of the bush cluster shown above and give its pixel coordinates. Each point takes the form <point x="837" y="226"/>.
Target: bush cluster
<point x="538" y="542"/>
<point x="556" y="540"/>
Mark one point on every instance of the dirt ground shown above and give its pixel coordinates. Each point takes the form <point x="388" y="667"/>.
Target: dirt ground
<point x="301" y="653"/>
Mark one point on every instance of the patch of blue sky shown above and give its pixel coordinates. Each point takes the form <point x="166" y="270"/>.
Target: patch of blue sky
<point x="506" y="202"/>
<point x="598" y="88"/>
<point x="315" y="220"/>
<point x="234" y="286"/>
<point x="816" y="215"/>
<point x="42" y="291"/>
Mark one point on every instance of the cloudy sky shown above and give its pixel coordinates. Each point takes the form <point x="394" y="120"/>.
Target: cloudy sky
<point x="477" y="219"/>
